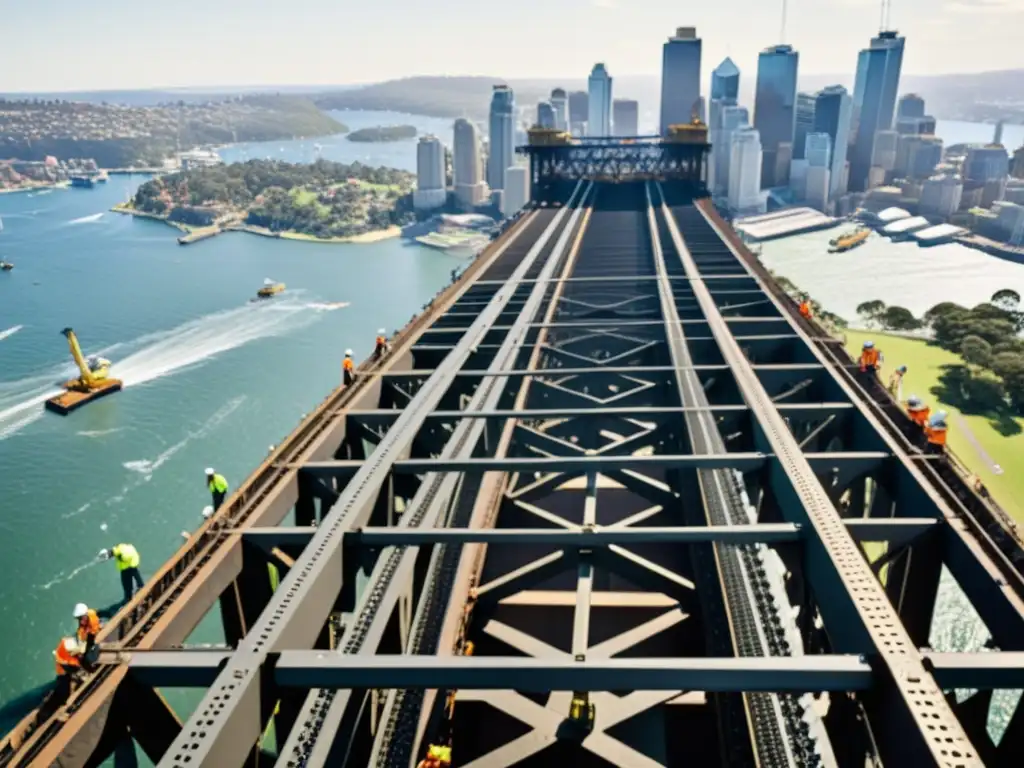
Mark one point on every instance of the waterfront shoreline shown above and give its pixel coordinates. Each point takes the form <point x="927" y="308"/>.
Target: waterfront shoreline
<point x="195" y="234"/>
<point x="36" y="188"/>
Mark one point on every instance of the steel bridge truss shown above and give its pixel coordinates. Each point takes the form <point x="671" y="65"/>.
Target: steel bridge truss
<point x="616" y="469"/>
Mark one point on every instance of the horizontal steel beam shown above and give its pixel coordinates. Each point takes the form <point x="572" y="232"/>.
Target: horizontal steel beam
<point x="175" y="669"/>
<point x="624" y="370"/>
<point x="798" y="674"/>
<point x="744" y="277"/>
<point x="997" y="670"/>
<point x="895" y="530"/>
<point x="792" y="410"/>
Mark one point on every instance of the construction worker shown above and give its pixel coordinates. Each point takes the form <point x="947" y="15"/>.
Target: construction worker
<point x="68" y="657"/>
<point x="805" y="309"/>
<point x="381" y="346"/>
<point x="935" y="432"/>
<point x="88" y="627"/>
<point x="126" y="558"/>
<point x="870" y="358"/>
<point x="917" y="411"/>
<point x="218" y="487"/>
<point x="896" y="382"/>
<point x="437" y="757"/>
<point x="348" y="368"/>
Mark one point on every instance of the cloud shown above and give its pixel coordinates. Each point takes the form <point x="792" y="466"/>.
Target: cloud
<point x="985" y="7"/>
<point x="605" y="4"/>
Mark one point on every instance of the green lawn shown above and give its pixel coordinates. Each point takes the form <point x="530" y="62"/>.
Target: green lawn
<point x="925" y="364"/>
<point x="303" y="196"/>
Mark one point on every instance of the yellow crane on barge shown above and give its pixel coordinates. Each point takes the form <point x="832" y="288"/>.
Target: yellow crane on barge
<point x="94" y="383"/>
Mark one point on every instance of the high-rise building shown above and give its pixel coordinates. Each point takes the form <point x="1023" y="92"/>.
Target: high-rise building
<point x="941" y="196"/>
<point x="885" y="149"/>
<point x="680" y="78"/>
<point x="1018" y="163"/>
<point x="916" y="125"/>
<point x="599" y="117"/>
<point x="732" y="118"/>
<point x="833" y="113"/>
<point x="745" y="171"/>
<point x="917" y="156"/>
<point x="816" y="187"/>
<point x="818" y="150"/>
<point x="625" y="117"/>
<point x="878" y="71"/>
<point x="467" y="170"/>
<point x="517" y="189"/>
<point x="775" y="105"/>
<point x="560" y="103"/>
<point x="997" y="136"/>
<point x="430" y="174"/>
<point x="579" y="110"/>
<point x="798" y="178"/>
<point x="545" y="115"/>
<point x="986" y="163"/>
<point x="725" y="80"/>
<point x="911" y="105"/>
<point x="805" y="104"/>
<point x="502" y="138"/>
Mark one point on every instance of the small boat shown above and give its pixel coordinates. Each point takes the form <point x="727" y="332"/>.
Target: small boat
<point x="849" y="240"/>
<point x="269" y="289"/>
<point x="6" y="266"/>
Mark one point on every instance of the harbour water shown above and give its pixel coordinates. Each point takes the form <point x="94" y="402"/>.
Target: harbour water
<point x="213" y="380"/>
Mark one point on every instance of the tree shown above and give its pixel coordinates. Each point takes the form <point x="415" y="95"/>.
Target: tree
<point x="1007" y="299"/>
<point x="899" y="319"/>
<point x="871" y="311"/>
<point x="976" y="351"/>
<point x="1010" y="368"/>
<point x="941" y="309"/>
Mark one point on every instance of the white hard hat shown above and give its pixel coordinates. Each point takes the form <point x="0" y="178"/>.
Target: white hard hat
<point x="869" y="344"/>
<point x="80" y="610"/>
<point x="348" y="353"/>
<point x="207" y="512"/>
<point x="381" y="331"/>
<point x="209" y="471"/>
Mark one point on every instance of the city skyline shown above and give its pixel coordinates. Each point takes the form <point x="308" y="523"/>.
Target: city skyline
<point x="276" y="45"/>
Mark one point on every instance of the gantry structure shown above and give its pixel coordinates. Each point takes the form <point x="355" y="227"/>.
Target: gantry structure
<point x="609" y="501"/>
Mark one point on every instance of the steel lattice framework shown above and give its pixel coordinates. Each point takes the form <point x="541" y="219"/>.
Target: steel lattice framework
<point x="608" y="464"/>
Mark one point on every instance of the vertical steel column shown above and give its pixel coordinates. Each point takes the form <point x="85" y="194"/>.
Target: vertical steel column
<point x="242" y="603"/>
<point x="149" y="718"/>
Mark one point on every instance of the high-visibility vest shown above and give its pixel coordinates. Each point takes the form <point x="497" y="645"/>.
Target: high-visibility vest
<point x="868" y="359"/>
<point x="381" y="341"/>
<point x="347" y="364"/>
<point x="805" y="310"/>
<point x="218" y="484"/>
<point x="88" y="625"/>
<point x="126" y="556"/>
<point x="920" y="415"/>
<point x="935" y="435"/>
<point x="65" y="659"/>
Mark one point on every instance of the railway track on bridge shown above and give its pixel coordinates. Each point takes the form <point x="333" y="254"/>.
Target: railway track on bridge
<point x="624" y="465"/>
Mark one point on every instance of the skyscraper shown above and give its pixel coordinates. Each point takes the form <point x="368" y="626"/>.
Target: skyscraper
<point x="732" y="118"/>
<point x="745" y="171"/>
<point x="430" y="174"/>
<point x="517" y="190"/>
<point x="805" y="103"/>
<point x="833" y="112"/>
<point x="502" y="138"/>
<point x="911" y="105"/>
<point x="880" y="65"/>
<point x="680" y="78"/>
<point x="725" y="80"/>
<point x="468" y="170"/>
<point x="599" y="117"/>
<point x="625" y="117"/>
<point x="818" y="150"/>
<point x="775" y="105"/>
<point x="559" y="102"/>
<point x="545" y="115"/>
<point x="579" y="111"/>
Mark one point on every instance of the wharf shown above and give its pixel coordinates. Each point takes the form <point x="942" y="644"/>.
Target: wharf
<point x="784" y="223"/>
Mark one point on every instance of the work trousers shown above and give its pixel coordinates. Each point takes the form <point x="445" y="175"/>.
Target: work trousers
<point x="218" y="499"/>
<point x="130" y="579"/>
<point x="348" y="377"/>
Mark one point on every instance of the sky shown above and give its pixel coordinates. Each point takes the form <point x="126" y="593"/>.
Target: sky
<point x="63" y="45"/>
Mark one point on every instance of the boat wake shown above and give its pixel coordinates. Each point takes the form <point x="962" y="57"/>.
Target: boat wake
<point x="10" y="332"/>
<point x="162" y="354"/>
<point x="87" y="219"/>
<point x="148" y="466"/>
<point x="64" y="576"/>
<point x="98" y="432"/>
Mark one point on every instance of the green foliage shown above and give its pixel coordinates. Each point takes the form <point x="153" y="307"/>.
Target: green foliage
<point x="898" y="319"/>
<point x="1007" y="299"/>
<point x="384" y="133"/>
<point x="940" y="309"/>
<point x="324" y="199"/>
<point x="871" y="311"/>
<point x="976" y="351"/>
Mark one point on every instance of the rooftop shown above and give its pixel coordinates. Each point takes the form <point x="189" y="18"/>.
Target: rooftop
<point x="938" y="231"/>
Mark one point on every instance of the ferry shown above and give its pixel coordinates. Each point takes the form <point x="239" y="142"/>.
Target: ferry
<point x="83" y="182"/>
<point x="269" y="289"/>
<point x="849" y="241"/>
<point x="6" y="266"/>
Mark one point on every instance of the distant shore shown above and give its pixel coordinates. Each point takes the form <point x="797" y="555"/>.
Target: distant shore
<point x="36" y="187"/>
<point x="191" y="234"/>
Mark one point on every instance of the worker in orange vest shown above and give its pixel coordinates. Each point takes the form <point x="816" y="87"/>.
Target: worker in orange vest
<point x="935" y="431"/>
<point x="437" y="757"/>
<point x="870" y="358"/>
<point x="381" y="346"/>
<point x="917" y="411"/>
<point x="88" y="627"/>
<point x="68" y="657"/>
<point x="348" y="368"/>
<point x="805" y="309"/>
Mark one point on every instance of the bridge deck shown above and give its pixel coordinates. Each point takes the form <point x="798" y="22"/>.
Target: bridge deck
<point x="608" y="464"/>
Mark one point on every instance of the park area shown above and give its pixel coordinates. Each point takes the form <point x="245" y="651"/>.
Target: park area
<point x="982" y="439"/>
